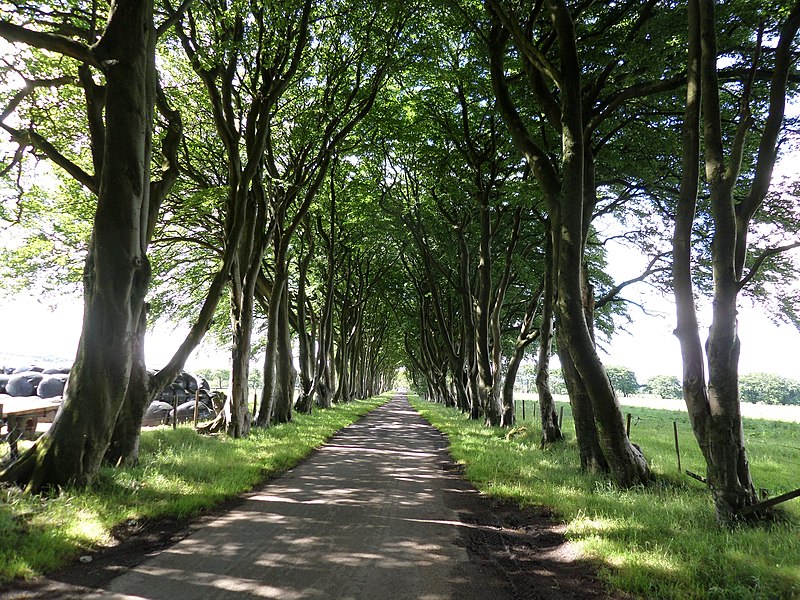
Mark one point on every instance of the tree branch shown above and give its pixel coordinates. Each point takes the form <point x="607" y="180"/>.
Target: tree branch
<point x="30" y="86"/>
<point x="613" y="292"/>
<point x="35" y="140"/>
<point x="759" y="261"/>
<point x="48" y="41"/>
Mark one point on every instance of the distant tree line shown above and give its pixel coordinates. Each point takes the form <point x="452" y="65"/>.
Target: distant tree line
<point x="755" y="388"/>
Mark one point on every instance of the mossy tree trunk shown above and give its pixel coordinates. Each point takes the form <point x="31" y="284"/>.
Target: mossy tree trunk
<point x="116" y="273"/>
<point x="551" y="430"/>
<point x="714" y="407"/>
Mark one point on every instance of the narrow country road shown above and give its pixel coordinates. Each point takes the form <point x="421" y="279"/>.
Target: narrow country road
<point x="378" y="513"/>
<point x="364" y="517"/>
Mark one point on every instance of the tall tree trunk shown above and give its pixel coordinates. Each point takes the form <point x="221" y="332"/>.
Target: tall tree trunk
<point x="309" y="367"/>
<point x="264" y="413"/>
<point x="285" y="374"/>
<point x="626" y="463"/>
<point x="244" y="277"/>
<point x="343" y="369"/>
<point x="714" y="410"/>
<point x="526" y="336"/>
<point x="325" y="384"/>
<point x="116" y="274"/>
<point x="728" y="470"/>
<point x="591" y="454"/>
<point x="123" y="447"/>
<point x="485" y="384"/>
<point x="551" y="431"/>
<point x="236" y="415"/>
<point x="505" y="403"/>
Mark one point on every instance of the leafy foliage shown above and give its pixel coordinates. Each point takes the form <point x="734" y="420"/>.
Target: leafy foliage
<point x="623" y="379"/>
<point x="768" y="388"/>
<point x="664" y="386"/>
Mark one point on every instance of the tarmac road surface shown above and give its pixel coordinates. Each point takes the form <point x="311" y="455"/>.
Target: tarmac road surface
<point x="365" y="517"/>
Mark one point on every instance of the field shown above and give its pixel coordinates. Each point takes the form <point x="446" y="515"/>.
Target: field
<point x="656" y="542"/>
<point x="772" y="412"/>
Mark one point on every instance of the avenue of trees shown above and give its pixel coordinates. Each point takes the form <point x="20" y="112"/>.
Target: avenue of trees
<point x="352" y="187"/>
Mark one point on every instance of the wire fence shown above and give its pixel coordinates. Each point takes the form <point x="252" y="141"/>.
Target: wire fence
<point x="667" y="441"/>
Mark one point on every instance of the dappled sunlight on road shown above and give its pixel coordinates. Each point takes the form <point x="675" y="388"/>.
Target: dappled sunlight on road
<point x="207" y="585"/>
<point x="364" y="517"/>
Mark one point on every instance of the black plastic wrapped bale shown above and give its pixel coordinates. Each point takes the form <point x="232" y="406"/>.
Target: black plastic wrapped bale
<point x="52" y="386"/>
<point x="23" y="384"/>
<point x="156" y="413"/>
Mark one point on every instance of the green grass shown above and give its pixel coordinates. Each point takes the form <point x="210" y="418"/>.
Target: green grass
<point x="656" y="542"/>
<point x="180" y="473"/>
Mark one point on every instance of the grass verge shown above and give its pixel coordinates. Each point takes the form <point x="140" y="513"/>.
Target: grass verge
<point x="179" y="474"/>
<point x="656" y="542"/>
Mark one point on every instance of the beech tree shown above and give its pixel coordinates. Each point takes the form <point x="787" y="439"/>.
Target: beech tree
<point x="254" y="58"/>
<point x="109" y="364"/>
<point x="713" y="402"/>
<point x="356" y="47"/>
<point x="550" y="52"/>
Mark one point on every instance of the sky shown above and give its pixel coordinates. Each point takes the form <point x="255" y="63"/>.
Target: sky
<point x="30" y="327"/>
<point x="649" y="347"/>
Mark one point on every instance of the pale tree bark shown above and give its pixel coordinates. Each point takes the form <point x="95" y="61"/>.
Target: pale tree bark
<point x="263" y="415"/>
<point x="285" y="374"/>
<point x="244" y="275"/>
<point x="714" y="406"/>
